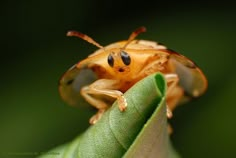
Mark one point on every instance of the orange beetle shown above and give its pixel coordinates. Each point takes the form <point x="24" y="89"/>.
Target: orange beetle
<point x="118" y="66"/>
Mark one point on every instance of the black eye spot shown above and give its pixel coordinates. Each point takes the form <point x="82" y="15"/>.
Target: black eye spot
<point x="70" y="82"/>
<point x="110" y="60"/>
<point x="125" y="58"/>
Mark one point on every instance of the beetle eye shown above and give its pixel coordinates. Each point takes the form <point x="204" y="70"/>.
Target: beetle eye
<point x="125" y="58"/>
<point x="110" y="60"/>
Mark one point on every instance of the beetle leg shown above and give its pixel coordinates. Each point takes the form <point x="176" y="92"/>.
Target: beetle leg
<point x="172" y="80"/>
<point x="97" y="116"/>
<point x="103" y="87"/>
<point x="174" y="92"/>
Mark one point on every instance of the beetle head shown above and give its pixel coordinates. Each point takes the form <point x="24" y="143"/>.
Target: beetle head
<point x="119" y="61"/>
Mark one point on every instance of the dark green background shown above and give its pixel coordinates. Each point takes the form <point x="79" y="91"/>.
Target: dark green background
<point x="35" y="52"/>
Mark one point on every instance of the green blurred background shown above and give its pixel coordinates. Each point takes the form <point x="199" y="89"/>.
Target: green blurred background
<point x="35" y="53"/>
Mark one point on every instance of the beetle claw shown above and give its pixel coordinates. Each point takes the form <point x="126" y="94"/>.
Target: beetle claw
<point x="168" y="112"/>
<point x="122" y="107"/>
<point x="94" y="119"/>
<point x="122" y="103"/>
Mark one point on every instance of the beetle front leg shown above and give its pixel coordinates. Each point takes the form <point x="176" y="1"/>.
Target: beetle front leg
<point x="100" y="105"/>
<point x="103" y="87"/>
<point x="174" y="92"/>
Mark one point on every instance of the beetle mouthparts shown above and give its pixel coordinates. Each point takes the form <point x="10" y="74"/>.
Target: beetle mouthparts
<point x="121" y="69"/>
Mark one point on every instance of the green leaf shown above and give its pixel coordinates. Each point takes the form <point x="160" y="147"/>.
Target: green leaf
<point x="140" y="131"/>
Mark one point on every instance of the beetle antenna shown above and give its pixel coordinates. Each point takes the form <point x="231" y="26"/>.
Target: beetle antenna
<point x="84" y="37"/>
<point x="135" y="34"/>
